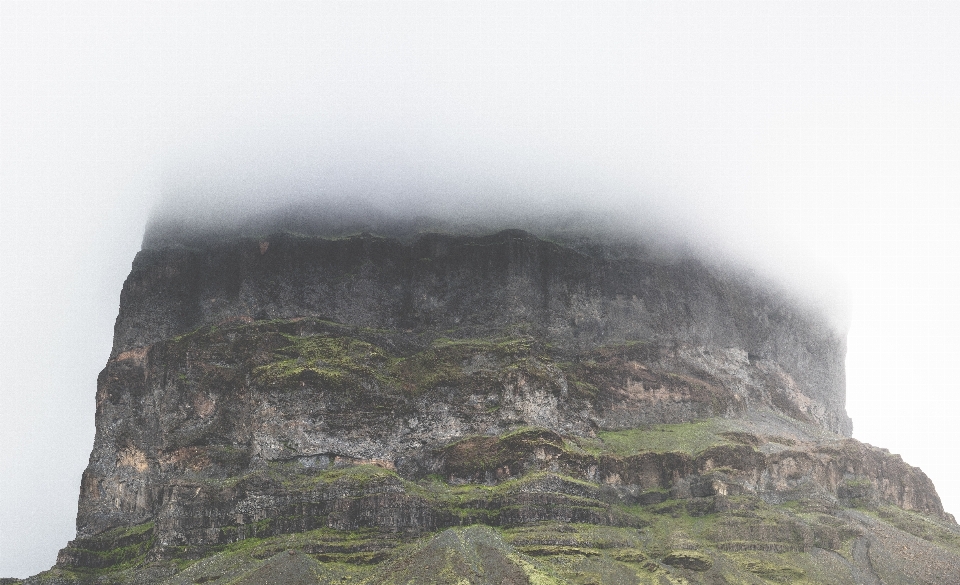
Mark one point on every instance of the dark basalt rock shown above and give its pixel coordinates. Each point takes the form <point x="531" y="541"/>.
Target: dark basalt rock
<point x="478" y="285"/>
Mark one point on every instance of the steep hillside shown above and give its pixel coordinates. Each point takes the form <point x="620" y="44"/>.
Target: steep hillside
<point x="496" y="409"/>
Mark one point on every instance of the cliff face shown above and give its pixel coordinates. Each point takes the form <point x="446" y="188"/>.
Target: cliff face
<point x="356" y="395"/>
<point x="578" y="301"/>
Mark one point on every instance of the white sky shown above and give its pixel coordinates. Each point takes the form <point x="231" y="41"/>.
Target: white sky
<point x="820" y="141"/>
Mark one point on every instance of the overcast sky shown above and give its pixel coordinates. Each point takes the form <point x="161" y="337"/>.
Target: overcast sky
<point x="819" y="142"/>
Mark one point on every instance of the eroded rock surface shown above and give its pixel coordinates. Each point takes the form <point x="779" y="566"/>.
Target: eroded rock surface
<point x="353" y="399"/>
<point x="475" y="286"/>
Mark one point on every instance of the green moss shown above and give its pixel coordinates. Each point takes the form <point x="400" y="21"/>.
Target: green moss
<point x="538" y="476"/>
<point x="691" y="438"/>
<point x="116" y="549"/>
<point x="580" y="387"/>
<point x="429" y="369"/>
<point x="331" y="361"/>
<point x="454" y="362"/>
<point x="199" y="332"/>
<point x="669" y="545"/>
<point x="918" y="525"/>
<point x="490" y="504"/>
<point x="291" y="475"/>
<point x="359" y="476"/>
<point x="535" y="574"/>
<point x="337" y="358"/>
<point x="777" y="572"/>
<point x="246" y="546"/>
<point x="588" y="554"/>
<point x="350" y="547"/>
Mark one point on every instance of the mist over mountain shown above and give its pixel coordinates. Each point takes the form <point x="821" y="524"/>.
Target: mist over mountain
<point x="812" y="143"/>
<point x="188" y="220"/>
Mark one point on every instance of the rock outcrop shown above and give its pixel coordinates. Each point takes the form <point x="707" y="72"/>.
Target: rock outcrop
<point x="478" y="286"/>
<point x="590" y="406"/>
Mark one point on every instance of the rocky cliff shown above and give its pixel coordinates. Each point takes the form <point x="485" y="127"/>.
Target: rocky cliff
<point x="339" y="409"/>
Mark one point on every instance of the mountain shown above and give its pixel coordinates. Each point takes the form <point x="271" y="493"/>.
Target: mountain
<point x="495" y="408"/>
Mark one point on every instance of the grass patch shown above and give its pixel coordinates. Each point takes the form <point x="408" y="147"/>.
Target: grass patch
<point x="114" y="550"/>
<point x="917" y="525"/>
<point x="331" y="361"/>
<point x="455" y="362"/>
<point x="777" y="572"/>
<point x="334" y="359"/>
<point x="690" y="438"/>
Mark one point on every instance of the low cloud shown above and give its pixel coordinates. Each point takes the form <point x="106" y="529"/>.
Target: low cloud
<point x="724" y="131"/>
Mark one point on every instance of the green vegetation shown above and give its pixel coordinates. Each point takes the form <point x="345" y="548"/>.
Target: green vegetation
<point x="114" y="550"/>
<point x="772" y="571"/>
<point x="198" y="333"/>
<point x="453" y="362"/>
<point x="534" y="574"/>
<point x="338" y="359"/>
<point x="331" y="361"/>
<point x="320" y="353"/>
<point x="758" y="543"/>
<point x="293" y="477"/>
<point x="918" y="525"/>
<point x="690" y="438"/>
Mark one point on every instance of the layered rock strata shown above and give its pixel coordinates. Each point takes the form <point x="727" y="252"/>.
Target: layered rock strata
<point x="369" y="392"/>
<point x="477" y="286"/>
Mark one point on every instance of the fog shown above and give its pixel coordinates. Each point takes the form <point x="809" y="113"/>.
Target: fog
<point x="815" y="143"/>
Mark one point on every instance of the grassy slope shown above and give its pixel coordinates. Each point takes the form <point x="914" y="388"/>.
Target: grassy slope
<point x="674" y="547"/>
